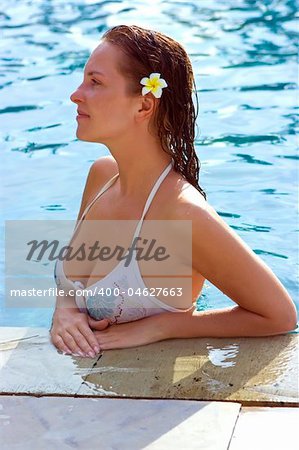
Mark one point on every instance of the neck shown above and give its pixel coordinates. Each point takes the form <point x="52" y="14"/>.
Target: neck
<point x="139" y="165"/>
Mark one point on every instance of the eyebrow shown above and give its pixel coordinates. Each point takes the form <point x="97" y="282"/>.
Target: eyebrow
<point x="95" y="71"/>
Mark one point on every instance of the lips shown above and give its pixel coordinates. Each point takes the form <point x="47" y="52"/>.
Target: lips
<point x="82" y="113"/>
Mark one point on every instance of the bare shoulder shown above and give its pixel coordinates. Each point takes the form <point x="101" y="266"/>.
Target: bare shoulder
<point x="185" y="200"/>
<point x="105" y="162"/>
<point x="214" y="240"/>
<point x="100" y="172"/>
<point x="103" y="169"/>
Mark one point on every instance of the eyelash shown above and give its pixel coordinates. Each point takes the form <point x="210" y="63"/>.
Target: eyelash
<point x="95" y="81"/>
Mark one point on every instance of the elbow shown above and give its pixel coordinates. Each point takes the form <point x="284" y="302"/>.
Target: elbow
<point x="286" y="322"/>
<point x="286" y="327"/>
<point x="291" y="317"/>
<point x="291" y="325"/>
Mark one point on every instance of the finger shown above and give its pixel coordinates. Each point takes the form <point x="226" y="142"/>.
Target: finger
<point x="110" y="344"/>
<point x="57" y="341"/>
<point x="98" y="324"/>
<point x="83" y="343"/>
<point x="90" y="339"/>
<point x="71" y="341"/>
<point x="60" y="345"/>
<point x="109" y="341"/>
<point x="112" y="338"/>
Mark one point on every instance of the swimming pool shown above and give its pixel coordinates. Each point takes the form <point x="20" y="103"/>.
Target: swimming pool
<point x="244" y="56"/>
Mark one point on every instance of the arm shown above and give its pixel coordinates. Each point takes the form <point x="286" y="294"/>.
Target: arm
<point x="263" y="306"/>
<point x="226" y="322"/>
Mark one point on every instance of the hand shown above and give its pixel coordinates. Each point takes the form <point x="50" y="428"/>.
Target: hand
<point x="71" y="333"/>
<point x="130" y="334"/>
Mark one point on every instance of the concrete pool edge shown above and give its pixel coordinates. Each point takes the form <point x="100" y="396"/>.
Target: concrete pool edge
<point x="250" y="371"/>
<point x="131" y="425"/>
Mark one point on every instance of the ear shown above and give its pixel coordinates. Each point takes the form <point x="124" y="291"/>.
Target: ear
<point x="146" y="107"/>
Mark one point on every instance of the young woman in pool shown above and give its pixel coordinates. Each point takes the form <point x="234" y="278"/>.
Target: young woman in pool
<point x="136" y="98"/>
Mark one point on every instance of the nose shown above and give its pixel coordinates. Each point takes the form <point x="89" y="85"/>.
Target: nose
<point x="76" y="96"/>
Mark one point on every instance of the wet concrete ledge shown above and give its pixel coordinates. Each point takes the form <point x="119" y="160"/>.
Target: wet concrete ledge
<point x="250" y="371"/>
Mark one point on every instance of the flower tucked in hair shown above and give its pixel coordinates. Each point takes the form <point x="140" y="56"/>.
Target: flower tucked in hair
<point x="153" y="84"/>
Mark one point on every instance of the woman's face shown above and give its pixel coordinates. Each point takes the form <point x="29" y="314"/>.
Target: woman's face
<point x="105" y="110"/>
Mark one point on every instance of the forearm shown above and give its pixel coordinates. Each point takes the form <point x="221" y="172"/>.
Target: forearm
<point x="226" y="322"/>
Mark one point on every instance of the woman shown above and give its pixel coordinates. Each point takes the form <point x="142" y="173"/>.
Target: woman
<point x="136" y="98"/>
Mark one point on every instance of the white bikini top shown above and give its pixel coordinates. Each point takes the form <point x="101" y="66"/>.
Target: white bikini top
<point x="114" y="296"/>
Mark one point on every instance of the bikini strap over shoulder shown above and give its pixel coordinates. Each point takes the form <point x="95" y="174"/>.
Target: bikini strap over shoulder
<point x="102" y="190"/>
<point x="151" y="196"/>
<point x="147" y="204"/>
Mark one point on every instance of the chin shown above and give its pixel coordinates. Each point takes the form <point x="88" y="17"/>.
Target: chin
<point x="83" y="136"/>
<point x="86" y="138"/>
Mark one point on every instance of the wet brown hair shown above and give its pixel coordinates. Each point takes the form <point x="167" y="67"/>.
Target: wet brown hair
<point x="150" y="51"/>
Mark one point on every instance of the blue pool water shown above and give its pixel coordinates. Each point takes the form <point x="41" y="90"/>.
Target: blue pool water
<point x="244" y="57"/>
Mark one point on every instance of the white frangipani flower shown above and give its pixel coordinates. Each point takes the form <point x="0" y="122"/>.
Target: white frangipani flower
<point x="153" y="84"/>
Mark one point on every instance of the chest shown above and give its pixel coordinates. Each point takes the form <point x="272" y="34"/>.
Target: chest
<point x="107" y="232"/>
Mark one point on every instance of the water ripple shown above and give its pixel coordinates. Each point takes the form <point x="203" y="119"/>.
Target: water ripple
<point x="16" y="109"/>
<point x="33" y="147"/>
<point x="239" y="140"/>
<point x="276" y="255"/>
<point x="250" y="227"/>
